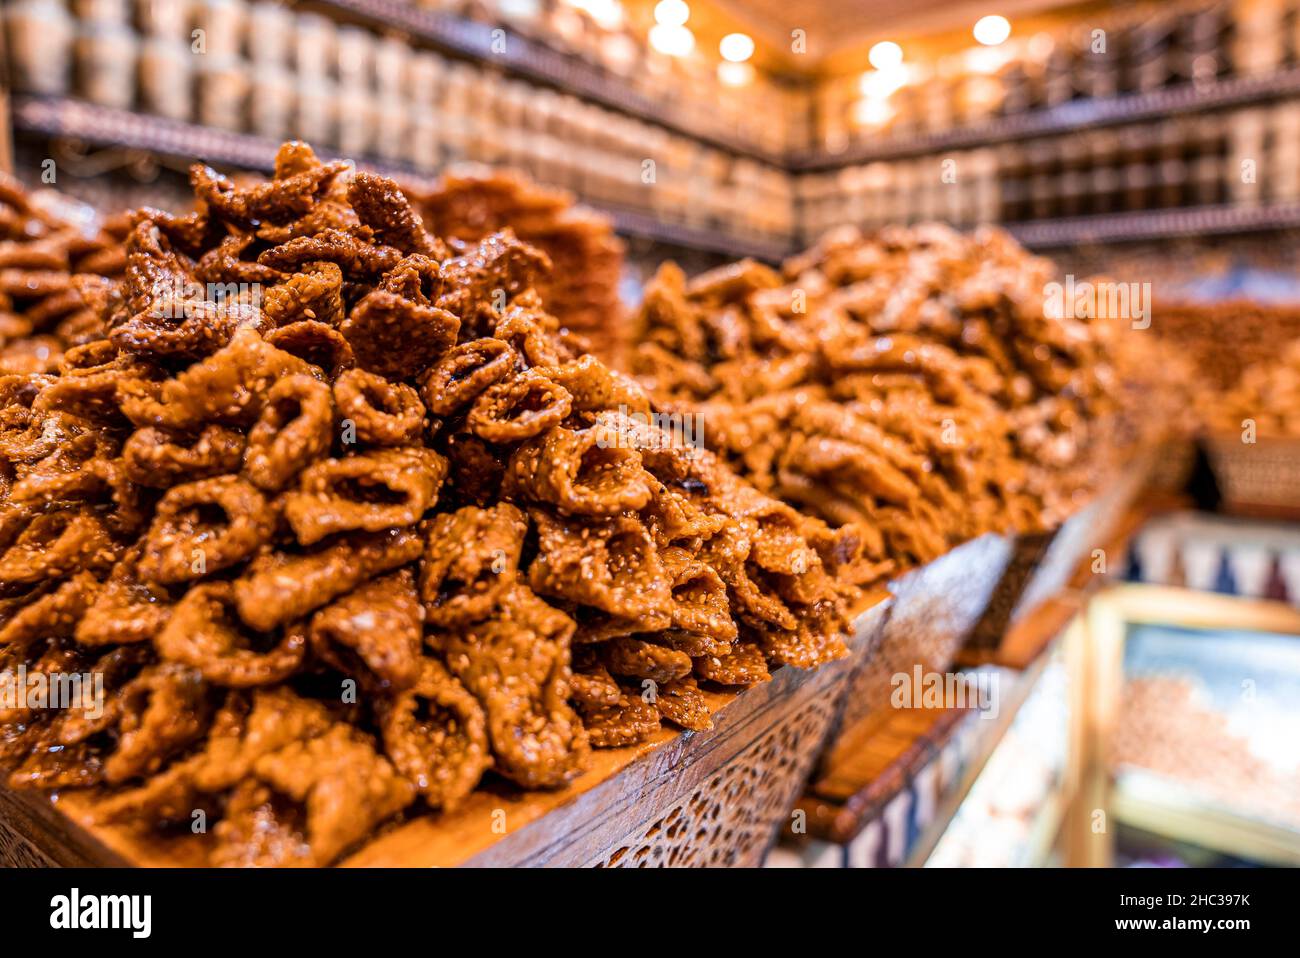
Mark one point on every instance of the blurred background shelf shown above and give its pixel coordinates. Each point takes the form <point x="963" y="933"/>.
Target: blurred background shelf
<point x="527" y="58"/>
<point x="98" y="125"/>
<point x="94" y="124"/>
<point x="102" y="126"/>
<point x="987" y="742"/>
<point x="1071" y="117"/>
<point x="1185" y="126"/>
<point x="1156" y="225"/>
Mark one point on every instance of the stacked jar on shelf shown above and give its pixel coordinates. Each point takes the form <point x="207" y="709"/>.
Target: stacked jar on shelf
<point x="1244" y="157"/>
<point x="276" y="72"/>
<point x="614" y="42"/>
<point x="960" y="187"/>
<point x="1099" y="55"/>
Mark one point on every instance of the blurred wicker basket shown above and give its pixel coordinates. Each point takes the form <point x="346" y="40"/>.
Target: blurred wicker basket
<point x="1174" y="460"/>
<point x="1257" y="479"/>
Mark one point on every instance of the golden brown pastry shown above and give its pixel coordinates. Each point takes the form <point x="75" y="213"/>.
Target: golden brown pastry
<point x="347" y="530"/>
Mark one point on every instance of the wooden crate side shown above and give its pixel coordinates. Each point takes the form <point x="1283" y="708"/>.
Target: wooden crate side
<point x="1043" y="563"/>
<point x="1088" y="529"/>
<point x="36" y="833"/>
<point x="733" y="819"/>
<point x="1027" y="551"/>
<point x="706" y="798"/>
<point x="933" y="611"/>
<point x="17" y="852"/>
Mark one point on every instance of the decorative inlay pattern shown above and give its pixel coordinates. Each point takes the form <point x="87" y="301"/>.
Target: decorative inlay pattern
<point x="17" y="852"/>
<point x="732" y="819"/>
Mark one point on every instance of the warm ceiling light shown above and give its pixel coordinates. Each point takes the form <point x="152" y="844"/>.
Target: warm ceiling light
<point x="985" y="60"/>
<point x="527" y="9"/>
<point x="1041" y="46"/>
<point x="674" y="41"/>
<point x="619" y="49"/>
<point x="608" y="14"/>
<point x="735" y="74"/>
<point x="881" y="84"/>
<point x="885" y="55"/>
<point x="672" y="13"/>
<point x="991" y="31"/>
<point x="736" y="47"/>
<point x="872" y="112"/>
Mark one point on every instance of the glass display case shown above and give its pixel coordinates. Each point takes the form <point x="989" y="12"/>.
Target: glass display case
<point x="1014" y="810"/>
<point x="1207" y="742"/>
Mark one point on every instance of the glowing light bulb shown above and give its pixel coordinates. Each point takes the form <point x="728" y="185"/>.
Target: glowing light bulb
<point x="885" y="55"/>
<point x="673" y="41"/>
<point x="735" y="74"/>
<point x="672" y="13"/>
<point x="993" y="30"/>
<point x="736" y="47"/>
<point x="881" y="84"/>
<point x="872" y="112"/>
<point x="607" y="13"/>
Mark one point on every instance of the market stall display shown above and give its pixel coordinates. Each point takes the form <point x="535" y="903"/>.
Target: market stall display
<point x="1268" y="395"/>
<point x="1194" y="695"/>
<point x="359" y="532"/>
<point x="914" y="381"/>
<point x="1239" y="354"/>
<point x="645" y="433"/>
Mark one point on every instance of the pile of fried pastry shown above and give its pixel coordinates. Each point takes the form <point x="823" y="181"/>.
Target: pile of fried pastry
<point x="1242" y="361"/>
<point x="45" y="240"/>
<point x="345" y="521"/>
<point x="581" y="288"/>
<point x="914" y="384"/>
<point x="1268" y="396"/>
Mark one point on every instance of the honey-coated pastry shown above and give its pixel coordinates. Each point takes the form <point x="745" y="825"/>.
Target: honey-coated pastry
<point x="626" y="723"/>
<point x="377" y="627"/>
<point x="46" y="240"/>
<point x="581" y="289"/>
<point x="339" y="536"/>
<point x="913" y="388"/>
<point x="435" y="732"/>
<point x="471" y="562"/>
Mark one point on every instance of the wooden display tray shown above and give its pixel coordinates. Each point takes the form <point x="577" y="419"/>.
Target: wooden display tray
<point x="1037" y="588"/>
<point x="1180" y="813"/>
<point x="684" y="798"/>
<point x="717" y="797"/>
<point x="932" y="611"/>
